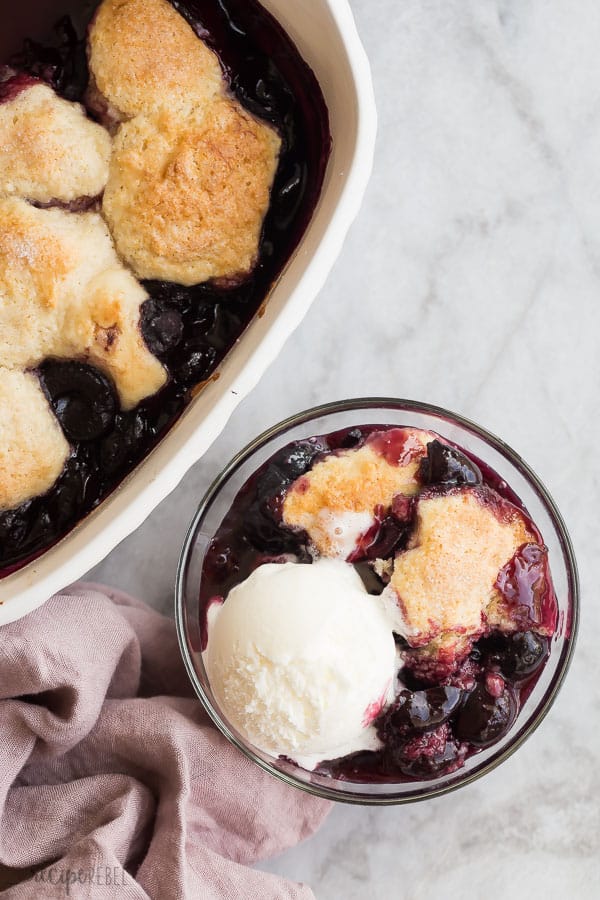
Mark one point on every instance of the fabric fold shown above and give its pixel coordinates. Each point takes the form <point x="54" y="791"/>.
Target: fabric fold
<point x="113" y="782"/>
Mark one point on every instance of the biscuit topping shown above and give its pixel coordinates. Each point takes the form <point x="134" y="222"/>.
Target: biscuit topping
<point x="446" y="578"/>
<point x="192" y="171"/>
<point x="144" y="56"/>
<point x="63" y="291"/>
<point x="186" y="197"/>
<point x="49" y="149"/>
<point x="33" y="450"/>
<point x="339" y="499"/>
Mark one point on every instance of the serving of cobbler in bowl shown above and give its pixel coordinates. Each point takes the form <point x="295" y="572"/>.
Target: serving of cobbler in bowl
<point x="161" y="163"/>
<point x="377" y="601"/>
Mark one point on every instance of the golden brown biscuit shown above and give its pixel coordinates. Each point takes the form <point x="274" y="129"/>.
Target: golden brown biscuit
<point x="49" y="149"/>
<point x="64" y="293"/>
<point x="186" y="197"/>
<point x="445" y="580"/>
<point x="143" y="55"/>
<point x="107" y="326"/>
<point x="335" y="501"/>
<point x="33" y="449"/>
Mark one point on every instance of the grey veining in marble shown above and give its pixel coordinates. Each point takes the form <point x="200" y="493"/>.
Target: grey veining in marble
<point x="470" y="280"/>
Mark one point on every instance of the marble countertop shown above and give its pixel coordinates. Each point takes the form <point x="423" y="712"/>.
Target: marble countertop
<point x="471" y="280"/>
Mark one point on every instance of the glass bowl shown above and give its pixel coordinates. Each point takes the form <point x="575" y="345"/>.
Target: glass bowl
<point x="477" y="441"/>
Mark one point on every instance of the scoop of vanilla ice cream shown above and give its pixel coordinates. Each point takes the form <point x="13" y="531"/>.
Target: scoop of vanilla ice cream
<point x="301" y="659"/>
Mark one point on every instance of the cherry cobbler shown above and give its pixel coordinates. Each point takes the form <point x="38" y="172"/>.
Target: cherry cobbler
<point x="156" y="173"/>
<point x="456" y="570"/>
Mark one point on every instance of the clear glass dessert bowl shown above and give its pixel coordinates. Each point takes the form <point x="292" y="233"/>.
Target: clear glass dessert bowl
<point x="479" y="444"/>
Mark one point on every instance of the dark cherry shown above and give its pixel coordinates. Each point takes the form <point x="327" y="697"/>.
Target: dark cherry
<point x="264" y="530"/>
<point x="413" y="680"/>
<point x="64" y="65"/>
<point x="69" y="492"/>
<point x="403" y="508"/>
<point x="525" y="584"/>
<point x="262" y="521"/>
<point x="419" y="711"/>
<point x="483" y="718"/>
<point x="198" y="366"/>
<point x="372" y="582"/>
<point x="386" y="536"/>
<point x="289" y="192"/>
<point x="118" y="448"/>
<point x="517" y="655"/>
<point x="207" y="321"/>
<point x="165" y="293"/>
<point x="446" y="465"/>
<point x="83" y="399"/>
<point x="13" y="528"/>
<point x="428" y="754"/>
<point x="351" y="438"/>
<point x="162" y="327"/>
<point x="525" y="654"/>
<point x="39" y="523"/>
<point x="296" y="460"/>
<point x="390" y="537"/>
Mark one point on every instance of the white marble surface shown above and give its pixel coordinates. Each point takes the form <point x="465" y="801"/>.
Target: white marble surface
<point x="471" y="280"/>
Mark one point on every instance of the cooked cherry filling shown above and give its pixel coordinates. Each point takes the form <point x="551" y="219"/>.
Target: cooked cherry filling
<point x="189" y="329"/>
<point x="446" y="707"/>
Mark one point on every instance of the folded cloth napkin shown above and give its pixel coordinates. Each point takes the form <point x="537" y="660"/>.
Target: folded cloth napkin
<point x="113" y="783"/>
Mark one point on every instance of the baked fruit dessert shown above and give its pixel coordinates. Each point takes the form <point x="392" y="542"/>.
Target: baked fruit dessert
<point x="191" y="170"/>
<point x="377" y="605"/>
<point x="159" y="163"/>
<point x="187" y="195"/>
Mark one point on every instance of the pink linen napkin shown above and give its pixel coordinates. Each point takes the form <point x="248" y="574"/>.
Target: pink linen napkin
<point x="112" y="781"/>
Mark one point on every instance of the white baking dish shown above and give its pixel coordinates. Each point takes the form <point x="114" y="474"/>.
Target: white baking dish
<point x="325" y="34"/>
